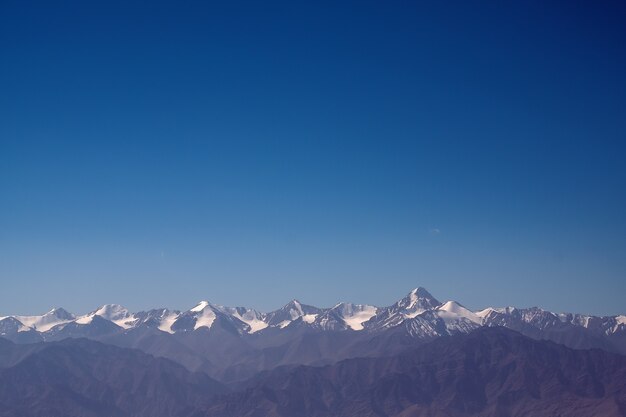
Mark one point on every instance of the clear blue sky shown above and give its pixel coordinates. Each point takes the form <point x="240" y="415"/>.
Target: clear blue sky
<point x="159" y="153"/>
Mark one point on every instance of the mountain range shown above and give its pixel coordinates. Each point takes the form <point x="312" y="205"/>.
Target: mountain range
<point x="233" y="344"/>
<point x="416" y="357"/>
<point x="489" y="372"/>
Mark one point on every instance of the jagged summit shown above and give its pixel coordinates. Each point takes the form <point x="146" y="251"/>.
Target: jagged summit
<point x="61" y="313"/>
<point x="421" y="292"/>
<point x="293" y="304"/>
<point x="291" y="312"/>
<point x="417" y="301"/>
<point x="419" y="313"/>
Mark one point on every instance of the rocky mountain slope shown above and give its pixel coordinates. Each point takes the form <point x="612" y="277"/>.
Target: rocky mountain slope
<point x="489" y="372"/>
<point x="232" y="344"/>
<point x="79" y="377"/>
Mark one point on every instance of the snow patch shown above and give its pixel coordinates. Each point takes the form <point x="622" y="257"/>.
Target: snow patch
<point x="360" y="314"/>
<point x="201" y="306"/>
<point x="116" y="314"/>
<point x="47" y="321"/>
<point x="256" y="325"/>
<point x="501" y="310"/>
<point x="484" y="313"/>
<point x="620" y="323"/>
<point x="309" y="318"/>
<point x="251" y="317"/>
<point x="205" y="319"/>
<point x="296" y="311"/>
<point x="167" y="320"/>
<point x="39" y="323"/>
<point x="86" y="319"/>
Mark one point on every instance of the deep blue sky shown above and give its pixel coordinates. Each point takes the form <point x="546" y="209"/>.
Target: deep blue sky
<point x="159" y="153"/>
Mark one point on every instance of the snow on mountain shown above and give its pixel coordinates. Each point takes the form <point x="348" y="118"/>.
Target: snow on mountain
<point x="309" y="318"/>
<point x="534" y="316"/>
<point x="452" y="311"/>
<point x="117" y="314"/>
<point x="294" y="309"/>
<point x="606" y="325"/>
<point x="114" y="313"/>
<point x="12" y="325"/>
<point x="618" y="326"/>
<point x="346" y="316"/>
<point x="356" y="314"/>
<point x="167" y="319"/>
<point x="291" y="312"/>
<point x="46" y="321"/>
<point x="205" y="315"/>
<point x="426" y="325"/>
<point x="416" y="302"/>
<point x="418" y="313"/>
<point x="161" y="318"/>
<point x="200" y="306"/>
<point x="457" y="318"/>
<point x="12" y="329"/>
<point x="254" y="319"/>
<point x="485" y="312"/>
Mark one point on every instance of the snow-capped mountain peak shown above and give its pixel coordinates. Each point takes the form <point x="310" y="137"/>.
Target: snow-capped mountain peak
<point x="294" y="307"/>
<point x="10" y="325"/>
<point x="416" y="302"/>
<point x="291" y="312"/>
<point x="203" y="313"/>
<point x="418" y="314"/>
<point x="452" y="310"/>
<point x="46" y="321"/>
<point x="60" y="313"/>
<point x="112" y="312"/>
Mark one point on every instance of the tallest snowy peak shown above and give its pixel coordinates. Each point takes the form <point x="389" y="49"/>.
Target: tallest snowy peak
<point x="417" y="301"/>
<point x="419" y="295"/>
<point x="421" y="292"/>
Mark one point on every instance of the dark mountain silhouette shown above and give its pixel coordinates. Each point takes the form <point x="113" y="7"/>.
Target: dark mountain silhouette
<point x="490" y="372"/>
<point x="79" y="377"/>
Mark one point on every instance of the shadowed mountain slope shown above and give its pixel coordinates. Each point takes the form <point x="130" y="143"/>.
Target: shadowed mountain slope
<point x="79" y="377"/>
<point x="490" y="372"/>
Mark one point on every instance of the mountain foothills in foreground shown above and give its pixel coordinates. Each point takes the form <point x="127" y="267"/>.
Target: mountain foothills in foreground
<point x="417" y="357"/>
<point x="489" y="372"/>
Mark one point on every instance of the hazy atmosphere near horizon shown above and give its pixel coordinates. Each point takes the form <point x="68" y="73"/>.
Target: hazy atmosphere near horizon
<point x="155" y="154"/>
